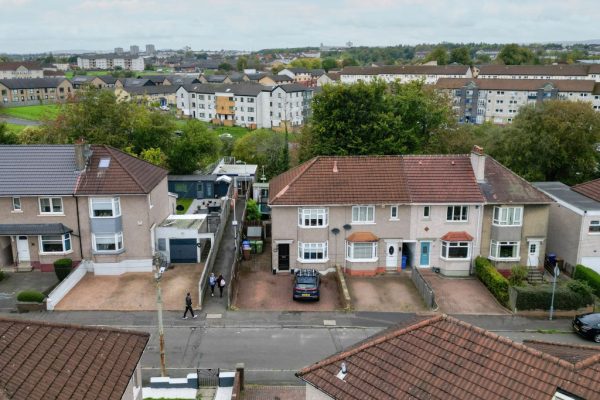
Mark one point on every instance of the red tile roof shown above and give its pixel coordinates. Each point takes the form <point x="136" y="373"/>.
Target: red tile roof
<point x="40" y="360"/>
<point x="457" y="237"/>
<point x="444" y="358"/>
<point x="12" y="66"/>
<point x="589" y="189"/>
<point x="125" y="174"/>
<point x="362" y="237"/>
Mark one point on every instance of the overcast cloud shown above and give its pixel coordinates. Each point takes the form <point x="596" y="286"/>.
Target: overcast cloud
<point x="45" y="25"/>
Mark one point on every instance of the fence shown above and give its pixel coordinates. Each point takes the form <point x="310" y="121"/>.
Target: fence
<point x="424" y="289"/>
<point x="67" y="284"/>
<point x="233" y="277"/>
<point x="207" y="377"/>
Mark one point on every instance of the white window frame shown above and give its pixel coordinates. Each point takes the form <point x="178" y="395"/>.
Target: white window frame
<point x="115" y="206"/>
<point x="309" y="214"/>
<point x="395" y="208"/>
<point x="316" y="247"/>
<point x="351" y="256"/>
<point x="426" y="212"/>
<point x="16" y="205"/>
<point x="51" y="201"/>
<point x="115" y="236"/>
<point x="447" y="245"/>
<point x="594" y="224"/>
<point x="64" y="239"/>
<point x="495" y="250"/>
<point x="507" y="216"/>
<point x="367" y="220"/>
<point x="453" y="219"/>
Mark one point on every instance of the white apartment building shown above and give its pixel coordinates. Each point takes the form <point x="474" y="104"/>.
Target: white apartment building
<point x="111" y="61"/>
<point x="404" y="73"/>
<point x="21" y="69"/>
<point x="554" y="72"/>
<point x="245" y="104"/>
<point x="498" y="100"/>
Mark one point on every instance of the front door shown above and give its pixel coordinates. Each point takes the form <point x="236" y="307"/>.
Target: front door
<point x="391" y="259"/>
<point x="283" y="251"/>
<point x="425" y="247"/>
<point x="23" y="249"/>
<point x="533" y="256"/>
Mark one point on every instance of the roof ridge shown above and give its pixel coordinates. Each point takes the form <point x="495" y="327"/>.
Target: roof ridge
<point x="584" y="183"/>
<point x="73" y="326"/>
<point x="110" y="150"/>
<point x="310" y="163"/>
<point x="586" y="362"/>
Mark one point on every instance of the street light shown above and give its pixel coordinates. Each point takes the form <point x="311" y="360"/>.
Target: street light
<point x="159" y="268"/>
<point x="556" y="273"/>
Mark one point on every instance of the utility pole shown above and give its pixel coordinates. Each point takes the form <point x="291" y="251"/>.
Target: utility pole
<point x="159" y="269"/>
<point x="556" y="273"/>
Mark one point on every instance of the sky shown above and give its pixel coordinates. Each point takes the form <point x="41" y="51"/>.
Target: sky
<point x="29" y="26"/>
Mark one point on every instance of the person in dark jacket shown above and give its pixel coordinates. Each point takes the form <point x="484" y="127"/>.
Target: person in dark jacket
<point x="221" y="282"/>
<point x="188" y="307"/>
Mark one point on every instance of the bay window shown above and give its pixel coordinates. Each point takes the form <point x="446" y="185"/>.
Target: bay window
<point x="108" y="242"/>
<point x="361" y="251"/>
<point x="51" y="205"/>
<point x="313" y="217"/>
<point x="504" y="250"/>
<point x="105" y="207"/>
<point x="312" y="252"/>
<point x="363" y="214"/>
<point x="55" y="243"/>
<point x="508" y="216"/>
<point x="455" y="250"/>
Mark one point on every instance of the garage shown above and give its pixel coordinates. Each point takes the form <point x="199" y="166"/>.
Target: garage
<point x="183" y="250"/>
<point x="591" y="262"/>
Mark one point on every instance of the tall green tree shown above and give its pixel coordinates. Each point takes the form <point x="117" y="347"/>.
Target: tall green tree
<point x="513" y="54"/>
<point x="554" y="141"/>
<point x="264" y="148"/>
<point x="329" y="63"/>
<point x="460" y="55"/>
<point x="195" y="148"/>
<point x="439" y="54"/>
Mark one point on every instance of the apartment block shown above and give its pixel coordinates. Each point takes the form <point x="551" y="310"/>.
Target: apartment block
<point x="111" y="61"/>
<point x="34" y="91"/>
<point x="404" y="73"/>
<point x="20" y="70"/>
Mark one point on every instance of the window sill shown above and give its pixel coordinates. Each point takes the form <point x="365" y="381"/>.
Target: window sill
<point x="51" y="215"/>
<point x="313" y="227"/>
<point x="364" y="260"/>
<point x="457" y="222"/>
<point x="322" y="261"/>
<point x="363" y="223"/>
<point x="508" y="226"/>
<point x="455" y="259"/>
<point x="16" y="212"/>
<point x="394" y="219"/>
<point x="509" y="259"/>
<point x="54" y="253"/>
<point x="116" y="216"/>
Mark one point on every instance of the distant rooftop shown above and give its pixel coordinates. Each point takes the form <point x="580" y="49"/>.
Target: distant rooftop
<point x="564" y="193"/>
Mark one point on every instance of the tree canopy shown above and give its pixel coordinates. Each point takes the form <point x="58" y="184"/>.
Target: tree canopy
<point x="460" y="55"/>
<point x="265" y="148"/>
<point x="439" y="54"/>
<point x="513" y="54"/>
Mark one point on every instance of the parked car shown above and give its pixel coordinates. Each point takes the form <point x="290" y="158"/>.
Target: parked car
<point x="307" y="284"/>
<point x="165" y="108"/>
<point x="588" y="326"/>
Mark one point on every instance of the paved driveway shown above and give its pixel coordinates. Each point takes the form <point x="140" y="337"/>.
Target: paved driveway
<point x="134" y="291"/>
<point x="15" y="282"/>
<point x="389" y="293"/>
<point x="462" y="295"/>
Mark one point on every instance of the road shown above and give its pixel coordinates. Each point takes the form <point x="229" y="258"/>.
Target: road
<point x="274" y="345"/>
<point x="19" y="121"/>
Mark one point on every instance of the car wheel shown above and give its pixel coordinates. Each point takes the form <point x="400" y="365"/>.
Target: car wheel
<point x="597" y="338"/>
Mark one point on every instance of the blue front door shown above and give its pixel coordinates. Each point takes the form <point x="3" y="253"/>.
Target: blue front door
<point x="425" y="254"/>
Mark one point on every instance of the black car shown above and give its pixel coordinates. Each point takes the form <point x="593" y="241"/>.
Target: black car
<point x="588" y="326"/>
<point x="306" y="284"/>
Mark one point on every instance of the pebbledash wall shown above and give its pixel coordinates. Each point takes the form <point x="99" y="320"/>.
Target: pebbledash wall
<point x="410" y="227"/>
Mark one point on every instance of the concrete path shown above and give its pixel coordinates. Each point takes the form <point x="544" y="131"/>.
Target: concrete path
<point x="19" y="121"/>
<point x="223" y="262"/>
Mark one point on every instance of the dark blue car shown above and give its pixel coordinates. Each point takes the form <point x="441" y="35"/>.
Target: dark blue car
<point x="588" y="326"/>
<point x="307" y="284"/>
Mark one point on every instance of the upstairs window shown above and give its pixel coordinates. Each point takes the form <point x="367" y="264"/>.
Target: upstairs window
<point x="16" y="204"/>
<point x="363" y="214"/>
<point x="312" y="217"/>
<point x="594" y="227"/>
<point x="508" y="216"/>
<point x="394" y="212"/>
<point x="105" y="207"/>
<point x="457" y="213"/>
<point x="51" y="205"/>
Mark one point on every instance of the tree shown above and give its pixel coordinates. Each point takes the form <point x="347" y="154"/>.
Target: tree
<point x="439" y="54"/>
<point x="195" y="148"/>
<point x="252" y="211"/>
<point x="349" y="62"/>
<point x="554" y="141"/>
<point x="329" y="63"/>
<point x="264" y="148"/>
<point x="460" y="55"/>
<point x="224" y="66"/>
<point x="242" y="63"/>
<point x="513" y="54"/>
<point x="277" y="68"/>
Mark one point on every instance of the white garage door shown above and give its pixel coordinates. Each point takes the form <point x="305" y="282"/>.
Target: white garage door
<point x="591" y="262"/>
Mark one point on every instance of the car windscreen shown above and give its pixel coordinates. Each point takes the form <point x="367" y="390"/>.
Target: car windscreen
<point x="591" y="319"/>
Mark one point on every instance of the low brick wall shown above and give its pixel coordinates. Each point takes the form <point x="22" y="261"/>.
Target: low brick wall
<point x="343" y="288"/>
<point x="555" y="314"/>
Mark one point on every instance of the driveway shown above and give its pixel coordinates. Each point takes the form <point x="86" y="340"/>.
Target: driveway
<point x="15" y="282"/>
<point x="388" y="293"/>
<point x="134" y="291"/>
<point x="462" y="295"/>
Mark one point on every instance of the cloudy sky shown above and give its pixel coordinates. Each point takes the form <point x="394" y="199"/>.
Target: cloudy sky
<point x="44" y="25"/>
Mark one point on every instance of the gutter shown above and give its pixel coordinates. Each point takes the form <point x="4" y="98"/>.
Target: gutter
<point x="78" y="227"/>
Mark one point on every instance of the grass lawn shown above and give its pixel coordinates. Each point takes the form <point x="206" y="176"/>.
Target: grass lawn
<point x="15" y="128"/>
<point x="185" y="203"/>
<point x="34" y="113"/>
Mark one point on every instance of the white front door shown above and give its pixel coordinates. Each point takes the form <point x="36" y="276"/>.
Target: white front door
<point x="391" y="259"/>
<point x="23" y="249"/>
<point x="533" y="253"/>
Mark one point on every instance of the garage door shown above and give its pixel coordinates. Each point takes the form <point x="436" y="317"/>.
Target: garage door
<point x="591" y="262"/>
<point x="183" y="250"/>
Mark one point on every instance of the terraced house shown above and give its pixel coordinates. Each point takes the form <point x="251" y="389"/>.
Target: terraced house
<point x="373" y="214"/>
<point x="80" y="202"/>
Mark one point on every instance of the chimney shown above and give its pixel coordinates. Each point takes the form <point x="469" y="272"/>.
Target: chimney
<point x="79" y="156"/>
<point x="478" y="163"/>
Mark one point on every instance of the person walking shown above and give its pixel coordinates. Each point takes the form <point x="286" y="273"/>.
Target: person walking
<point x="212" y="281"/>
<point x="221" y="282"/>
<point x="188" y="307"/>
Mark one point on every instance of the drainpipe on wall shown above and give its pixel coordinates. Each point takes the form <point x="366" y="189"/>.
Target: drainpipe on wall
<point x="78" y="227"/>
<point x="477" y="238"/>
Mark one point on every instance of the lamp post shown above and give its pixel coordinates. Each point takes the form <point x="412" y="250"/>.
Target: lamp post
<point x="158" y="271"/>
<point x="556" y="273"/>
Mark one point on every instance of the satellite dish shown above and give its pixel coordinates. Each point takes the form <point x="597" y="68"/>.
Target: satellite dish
<point x="347" y="227"/>
<point x="335" y="231"/>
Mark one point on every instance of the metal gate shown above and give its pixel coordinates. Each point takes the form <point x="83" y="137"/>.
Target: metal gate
<point x="183" y="250"/>
<point x="208" y="377"/>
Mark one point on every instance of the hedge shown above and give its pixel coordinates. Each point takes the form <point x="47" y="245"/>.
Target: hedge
<point x="496" y="283"/>
<point x="62" y="268"/>
<point x="31" y="295"/>
<point x="2" y="276"/>
<point x="570" y="296"/>
<point x="588" y="275"/>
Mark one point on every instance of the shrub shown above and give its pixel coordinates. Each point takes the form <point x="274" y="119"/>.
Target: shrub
<point x="252" y="211"/>
<point x="2" y="276"/>
<point x="63" y="267"/>
<point x="31" y="295"/>
<point x="492" y="279"/>
<point x="518" y="274"/>
<point x="588" y="275"/>
<point x="570" y="296"/>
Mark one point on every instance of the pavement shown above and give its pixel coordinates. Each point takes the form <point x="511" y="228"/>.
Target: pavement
<point x="390" y="292"/>
<point x="19" y="121"/>
<point x="15" y="282"/>
<point x="223" y="262"/>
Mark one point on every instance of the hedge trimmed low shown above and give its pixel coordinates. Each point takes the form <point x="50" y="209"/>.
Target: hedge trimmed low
<point x="588" y="275"/>
<point x="31" y="296"/>
<point x="492" y="279"/>
<point x="62" y="268"/>
<point x="570" y="296"/>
